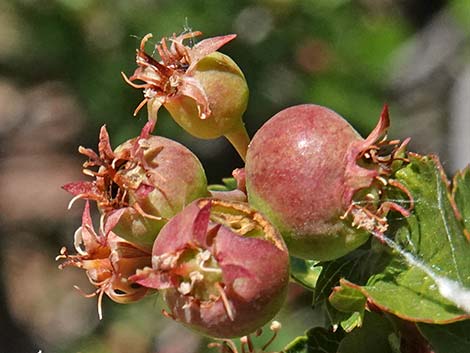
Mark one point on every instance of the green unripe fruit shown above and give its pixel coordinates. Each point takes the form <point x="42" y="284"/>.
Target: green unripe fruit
<point x="204" y="90"/>
<point x="227" y="95"/>
<point x="167" y="176"/>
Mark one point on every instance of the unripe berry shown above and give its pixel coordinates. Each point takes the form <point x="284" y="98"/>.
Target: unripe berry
<point x="222" y="267"/>
<point x="204" y="90"/>
<point x="304" y="170"/>
<point x="227" y="93"/>
<point x="141" y="184"/>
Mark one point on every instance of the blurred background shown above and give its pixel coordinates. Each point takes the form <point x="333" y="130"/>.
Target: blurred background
<point x="60" y="63"/>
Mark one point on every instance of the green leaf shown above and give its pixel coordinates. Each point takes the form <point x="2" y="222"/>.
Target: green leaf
<point x="355" y="266"/>
<point x="228" y="185"/>
<point x="316" y="340"/>
<point x="298" y="345"/>
<point x="461" y="194"/>
<point x="353" y="321"/>
<point x="358" y="266"/>
<point x="329" y="316"/>
<point x="305" y="272"/>
<point x="453" y="338"/>
<point x="348" y="300"/>
<point x="376" y="336"/>
<point x="433" y="236"/>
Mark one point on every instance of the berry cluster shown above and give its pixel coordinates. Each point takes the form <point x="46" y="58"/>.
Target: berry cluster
<point x="312" y="188"/>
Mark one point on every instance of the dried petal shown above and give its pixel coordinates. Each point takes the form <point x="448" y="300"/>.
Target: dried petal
<point x="108" y="260"/>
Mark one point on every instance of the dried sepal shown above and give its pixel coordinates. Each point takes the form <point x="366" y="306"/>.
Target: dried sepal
<point x="108" y="260"/>
<point x="371" y="164"/>
<point x="165" y="79"/>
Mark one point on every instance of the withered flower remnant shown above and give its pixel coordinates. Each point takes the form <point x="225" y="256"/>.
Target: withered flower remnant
<point x="108" y="261"/>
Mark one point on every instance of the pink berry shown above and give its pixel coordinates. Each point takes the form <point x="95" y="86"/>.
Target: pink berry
<point x="304" y="169"/>
<point x="222" y="267"/>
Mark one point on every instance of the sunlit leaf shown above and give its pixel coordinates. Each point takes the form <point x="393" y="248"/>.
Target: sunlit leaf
<point x="349" y="300"/>
<point x="461" y="194"/>
<point x="305" y="272"/>
<point x="346" y="309"/>
<point x="356" y="266"/>
<point x="433" y="237"/>
<point x="353" y="321"/>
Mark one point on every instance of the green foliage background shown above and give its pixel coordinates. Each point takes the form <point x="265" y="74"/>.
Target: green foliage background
<point x="333" y="53"/>
<point x="330" y="52"/>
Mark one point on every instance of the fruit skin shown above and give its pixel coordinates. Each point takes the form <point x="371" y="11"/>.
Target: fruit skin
<point x="248" y="260"/>
<point x="225" y="86"/>
<point x="301" y="172"/>
<point x="175" y="178"/>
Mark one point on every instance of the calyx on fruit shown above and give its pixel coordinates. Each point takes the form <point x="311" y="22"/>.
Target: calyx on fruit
<point x="222" y="267"/>
<point x="204" y="90"/>
<point x="141" y="184"/>
<point x="108" y="260"/>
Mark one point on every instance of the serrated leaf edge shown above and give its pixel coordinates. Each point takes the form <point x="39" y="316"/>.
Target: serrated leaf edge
<point x="373" y="305"/>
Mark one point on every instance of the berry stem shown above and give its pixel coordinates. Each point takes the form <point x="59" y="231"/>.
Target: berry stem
<point x="239" y="139"/>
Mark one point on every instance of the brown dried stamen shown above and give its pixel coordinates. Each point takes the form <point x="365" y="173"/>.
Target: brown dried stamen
<point x="117" y="173"/>
<point x="369" y="211"/>
<point x="108" y="261"/>
<point x="242" y="219"/>
<point x="160" y="78"/>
